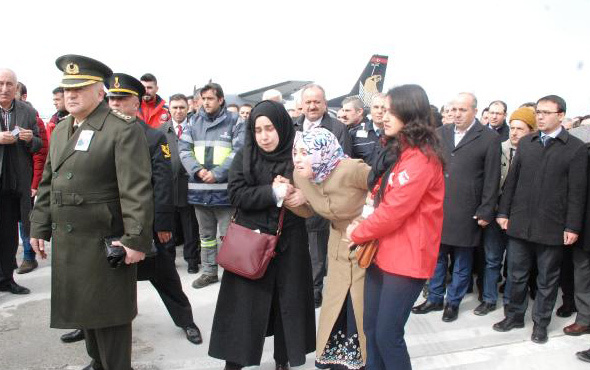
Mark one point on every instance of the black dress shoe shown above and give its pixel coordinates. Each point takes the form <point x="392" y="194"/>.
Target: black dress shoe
<point x="14" y="288"/>
<point x="508" y="324"/>
<point x="584" y="355"/>
<point x="539" y="335"/>
<point x="451" y="313"/>
<point x="231" y="366"/>
<point x="426" y="307"/>
<point x="193" y="334"/>
<point x="566" y="310"/>
<point x="484" y="309"/>
<point x="282" y="366"/>
<point x="317" y="300"/>
<point x="193" y="267"/>
<point x="73" y="336"/>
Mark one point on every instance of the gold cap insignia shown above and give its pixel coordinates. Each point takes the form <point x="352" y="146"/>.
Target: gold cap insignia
<point x="72" y="69"/>
<point x="116" y="85"/>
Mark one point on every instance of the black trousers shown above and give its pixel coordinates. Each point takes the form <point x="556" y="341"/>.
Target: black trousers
<point x="187" y="233"/>
<point x="318" y="250"/>
<point x="521" y="255"/>
<point x="109" y="348"/>
<point x="582" y="285"/>
<point x="566" y="278"/>
<point x="9" y="215"/>
<point x="161" y="272"/>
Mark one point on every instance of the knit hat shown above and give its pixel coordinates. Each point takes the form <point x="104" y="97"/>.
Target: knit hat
<point x="526" y="115"/>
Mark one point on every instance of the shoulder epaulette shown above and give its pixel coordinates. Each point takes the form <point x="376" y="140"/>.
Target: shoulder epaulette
<point x="123" y="116"/>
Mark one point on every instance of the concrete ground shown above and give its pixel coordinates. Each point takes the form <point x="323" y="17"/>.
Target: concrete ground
<point x="27" y="342"/>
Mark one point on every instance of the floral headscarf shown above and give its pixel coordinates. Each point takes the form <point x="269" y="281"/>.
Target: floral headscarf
<point x="323" y="148"/>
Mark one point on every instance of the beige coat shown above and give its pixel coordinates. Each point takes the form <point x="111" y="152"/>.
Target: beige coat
<point x="340" y="199"/>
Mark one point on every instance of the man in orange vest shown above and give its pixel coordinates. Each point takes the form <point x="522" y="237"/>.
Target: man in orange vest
<point x="153" y="109"/>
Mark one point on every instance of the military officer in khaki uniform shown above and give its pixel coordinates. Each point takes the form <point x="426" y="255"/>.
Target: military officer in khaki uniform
<point x="96" y="184"/>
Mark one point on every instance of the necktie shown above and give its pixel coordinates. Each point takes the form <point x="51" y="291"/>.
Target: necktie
<point x="511" y="155"/>
<point x="545" y="140"/>
<point x="179" y="133"/>
<point x="74" y="128"/>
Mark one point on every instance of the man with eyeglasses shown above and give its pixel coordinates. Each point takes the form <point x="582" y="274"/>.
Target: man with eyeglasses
<point x="542" y="209"/>
<point x="497" y="119"/>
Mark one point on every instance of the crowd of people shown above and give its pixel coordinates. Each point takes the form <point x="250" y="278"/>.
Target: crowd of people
<point x="118" y="178"/>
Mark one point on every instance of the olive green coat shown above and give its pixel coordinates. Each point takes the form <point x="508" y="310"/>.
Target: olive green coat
<point x="340" y="199"/>
<point x="85" y="196"/>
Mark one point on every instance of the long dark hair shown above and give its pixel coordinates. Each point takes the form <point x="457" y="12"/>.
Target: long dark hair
<point x="409" y="104"/>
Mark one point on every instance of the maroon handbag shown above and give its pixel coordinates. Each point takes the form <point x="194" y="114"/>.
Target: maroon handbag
<point x="246" y="252"/>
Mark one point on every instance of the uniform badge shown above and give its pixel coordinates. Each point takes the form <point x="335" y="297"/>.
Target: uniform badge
<point x="164" y="117"/>
<point x="84" y="140"/>
<point x="165" y="150"/>
<point x="72" y="69"/>
<point x="116" y="85"/>
<point x="403" y="178"/>
<point x="362" y="134"/>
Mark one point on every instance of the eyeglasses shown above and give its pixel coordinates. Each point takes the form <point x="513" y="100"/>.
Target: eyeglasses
<point x="544" y="113"/>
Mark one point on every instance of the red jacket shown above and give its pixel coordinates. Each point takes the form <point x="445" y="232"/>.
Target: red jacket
<point x="154" y="112"/>
<point x="40" y="156"/>
<point x="408" y="221"/>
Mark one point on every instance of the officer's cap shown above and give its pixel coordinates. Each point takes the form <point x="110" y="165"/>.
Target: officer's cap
<point x="81" y="71"/>
<point x="121" y="84"/>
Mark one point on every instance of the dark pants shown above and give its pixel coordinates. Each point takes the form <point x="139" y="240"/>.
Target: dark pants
<point x="187" y="233"/>
<point x="318" y="250"/>
<point x="388" y="303"/>
<point x="167" y="282"/>
<point x="463" y="262"/>
<point x="521" y="255"/>
<point x="566" y="276"/>
<point x="9" y="215"/>
<point x="495" y="243"/>
<point x="582" y="285"/>
<point x="109" y="348"/>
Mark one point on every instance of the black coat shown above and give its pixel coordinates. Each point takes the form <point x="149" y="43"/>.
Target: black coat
<point x="246" y="309"/>
<point x="545" y="190"/>
<point x="472" y="178"/>
<point x="179" y="175"/>
<point x="339" y="129"/>
<point x="503" y="131"/>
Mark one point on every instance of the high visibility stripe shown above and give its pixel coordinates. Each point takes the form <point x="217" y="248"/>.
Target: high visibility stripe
<point x="213" y="143"/>
<point x="220" y="154"/>
<point x="208" y="243"/>
<point x="200" y="154"/>
<point x="204" y="186"/>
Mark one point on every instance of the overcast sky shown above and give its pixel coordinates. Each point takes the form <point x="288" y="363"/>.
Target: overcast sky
<point x="512" y="50"/>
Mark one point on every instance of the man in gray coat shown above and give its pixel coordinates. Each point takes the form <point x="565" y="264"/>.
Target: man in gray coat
<point x="19" y="138"/>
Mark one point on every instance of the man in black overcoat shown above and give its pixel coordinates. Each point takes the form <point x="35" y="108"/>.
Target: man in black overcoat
<point x="542" y="209"/>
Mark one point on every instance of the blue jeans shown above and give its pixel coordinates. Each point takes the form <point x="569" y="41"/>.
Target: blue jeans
<point x="463" y="258"/>
<point x="495" y="242"/>
<point x="388" y="303"/>
<point x="29" y="253"/>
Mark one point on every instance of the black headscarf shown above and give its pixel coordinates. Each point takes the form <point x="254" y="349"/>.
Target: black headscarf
<point x="382" y="166"/>
<point x="262" y="167"/>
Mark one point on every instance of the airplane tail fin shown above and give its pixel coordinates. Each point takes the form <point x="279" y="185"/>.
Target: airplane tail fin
<point x="369" y="83"/>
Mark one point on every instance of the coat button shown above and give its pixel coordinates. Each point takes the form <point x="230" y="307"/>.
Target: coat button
<point x="69" y="228"/>
<point x="54" y="175"/>
<point x="53" y="226"/>
<point x="446" y="175"/>
<point x="452" y="154"/>
<point x="69" y="175"/>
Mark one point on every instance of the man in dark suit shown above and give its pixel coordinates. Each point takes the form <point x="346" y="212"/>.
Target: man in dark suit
<point x="315" y="114"/>
<point x="472" y="155"/>
<point x="185" y="221"/>
<point x="542" y="209"/>
<point x="19" y="139"/>
<point x="497" y="116"/>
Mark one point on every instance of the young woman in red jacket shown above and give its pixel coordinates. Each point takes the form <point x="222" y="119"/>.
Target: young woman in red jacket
<point x="408" y="191"/>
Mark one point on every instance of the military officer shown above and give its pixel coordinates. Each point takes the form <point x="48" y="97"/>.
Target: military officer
<point x="96" y="185"/>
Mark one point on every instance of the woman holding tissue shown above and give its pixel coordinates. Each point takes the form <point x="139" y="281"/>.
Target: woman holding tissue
<point x="408" y="190"/>
<point x="336" y="188"/>
<point x="281" y="302"/>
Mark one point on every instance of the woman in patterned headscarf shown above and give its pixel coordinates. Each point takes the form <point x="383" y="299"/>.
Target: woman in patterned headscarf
<point x="336" y="187"/>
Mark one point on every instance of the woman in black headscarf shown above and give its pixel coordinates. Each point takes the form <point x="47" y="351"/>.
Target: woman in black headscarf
<point x="281" y="302"/>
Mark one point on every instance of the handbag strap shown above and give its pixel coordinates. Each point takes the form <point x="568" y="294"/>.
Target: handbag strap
<point x="281" y="217"/>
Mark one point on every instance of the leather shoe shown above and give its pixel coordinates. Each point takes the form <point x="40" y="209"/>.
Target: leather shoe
<point x="584" y="355"/>
<point x="317" y="300"/>
<point x="204" y="280"/>
<point x="193" y="267"/>
<point x="508" y="324"/>
<point x="484" y="309"/>
<point x="576" y="330"/>
<point x="193" y="334"/>
<point x="282" y="367"/>
<point x="566" y="310"/>
<point x="539" y="335"/>
<point x="27" y="266"/>
<point x="14" y="288"/>
<point x="426" y="307"/>
<point x="73" y="336"/>
<point x="451" y="313"/>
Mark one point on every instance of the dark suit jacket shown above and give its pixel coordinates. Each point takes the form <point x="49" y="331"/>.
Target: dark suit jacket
<point x="24" y="116"/>
<point x="583" y="133"/>
<point x="472" y="178"/>
<point x="503" y="131"/>
<point x="545" y="190"/>
<point x="179" y="175"/>
<point x="339" y="129"/>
